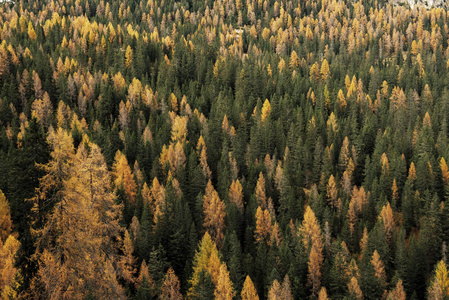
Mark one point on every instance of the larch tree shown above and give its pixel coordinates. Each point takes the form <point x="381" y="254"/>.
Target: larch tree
<point x="5" y="218"/>
<point x="398" y="292"/>
<point x="286" y="291"/>
<point x="171" y="288"/>
<point x="332" y="193"/>
<point x="214" y="214"/>
<point x="157" y="200"/>
<point x="9" y="274"/>
<point x="354" y="289"/>
<point x="179" y="129"/>
<point x="312" y="236"/>
<point x="324" y="70"/>
<point x="260" y="192"/>
<point x="387" y="219"/>
<point x="249" y="291"/>
<point x="439" y="287"/>
<point x="236" y="194"/>
<point x="77" y="246"/>
<point x="201" y="151"/>
<point x="323" y="294"/>
<point x="206" y="260"/>
<point x="123" y="177"/>
<point x="128" y="56"/>
<point x="266" y="111"/>
<point x="127" y="263"/>
<point x="224" y="289"/>
<point x="264" y="227"/>
<point x="445" y="175"/>
<point x="275" y="292"/>
<point x="379" y="268"/>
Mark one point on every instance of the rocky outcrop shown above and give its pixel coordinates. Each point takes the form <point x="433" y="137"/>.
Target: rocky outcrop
<point x="424" y="3"/>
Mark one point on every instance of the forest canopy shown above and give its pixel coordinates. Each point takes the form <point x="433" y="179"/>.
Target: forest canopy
<point x="223" y="149"/>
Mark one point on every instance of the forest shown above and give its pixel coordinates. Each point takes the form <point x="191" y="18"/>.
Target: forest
<point x="223" y="149"/>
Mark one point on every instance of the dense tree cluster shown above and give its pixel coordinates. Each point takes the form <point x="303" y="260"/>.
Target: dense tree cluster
<point x="223" y="149"/>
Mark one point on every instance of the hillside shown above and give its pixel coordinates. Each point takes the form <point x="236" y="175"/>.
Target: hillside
<point x="223" y="149"/>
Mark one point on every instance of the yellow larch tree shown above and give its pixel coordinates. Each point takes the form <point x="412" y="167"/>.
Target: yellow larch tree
<point x="412" y="172"/>
<point x="9" y="275"/>
<point x="214" y="214"/>
<point x="123" y="177"/>
<point x="439" y="287"/>
<point x="5" y="218"/>
<point x="275" y="291"/>
<point x="379" y="268"/>
<point x="444" y="174"/>
<point x="312" y="236"/>
<point x="341" y="99"/>
<point x="394" y="191"/>
<point x="266" y="110"/>
<point x="263" y="226"/>
<point x="324" y="71"/>
<point x="286" y="291"/>
<point x="387" y="219"/>
<point x="249" y="291"/>
<point x="78" y="241"/>
<point x="42" y="109"/>
<point x="206" y="259"/>
<point x="356" y="204"/>
<point x="157" y="200"/>
<point x="171" y="288"/>
<point x="354" y="289"/>
<point x="127" y="264"/>
<point x="224" y="289"/>
<point x="332" y="193"/>
<point x="128" y="56"/>
<point x="31" y="32"/>
<point x="398" y="292"/>
<point x="260" y="192"/>
<point x="236" y="194"/>
<point x="179" y="129"/>
<point x="314" y="72"/>
<point x="323" y="294"/>
<point x="201" y="151"/>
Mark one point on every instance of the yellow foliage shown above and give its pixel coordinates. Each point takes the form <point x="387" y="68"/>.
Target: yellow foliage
<point x="354" y="289"/>
<point x="386" y="216"/>
<point x="266" y="110"/>
<point x="224" y="289"/>
<point x="123" y="176"/>
<point x="236" y="194"/>
<point x="5" y="218"/>
<point x="128" y="56"/>
<point x="324" y="71"/>
<point x="179" y="129"/>
<point x="249" y="291"/>
<point x="214" y="214"/>
<point x="260" y="192"/>
<point x="439" y="288"/>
